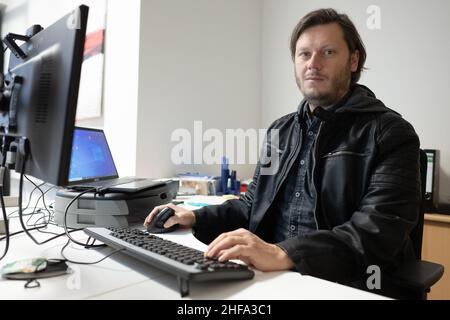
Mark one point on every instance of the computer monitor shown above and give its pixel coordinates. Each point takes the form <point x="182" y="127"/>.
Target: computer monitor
<point x="432" y="180"/>
<point x="41" y="87"/>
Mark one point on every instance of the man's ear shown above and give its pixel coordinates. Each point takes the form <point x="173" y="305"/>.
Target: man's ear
<point x="354" y="61"/>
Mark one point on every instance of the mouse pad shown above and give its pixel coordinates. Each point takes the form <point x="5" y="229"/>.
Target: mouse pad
<point x="37" y="268"/>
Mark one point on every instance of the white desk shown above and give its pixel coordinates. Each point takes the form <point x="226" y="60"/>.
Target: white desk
<point x="121" y="277"/>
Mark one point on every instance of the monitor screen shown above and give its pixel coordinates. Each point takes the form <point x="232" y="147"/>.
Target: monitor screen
<point x="43" y="102"/>
<point x="91" y="156"/>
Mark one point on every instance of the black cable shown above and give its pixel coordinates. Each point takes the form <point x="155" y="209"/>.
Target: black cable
<point x="38" y="221"/>
<point x="87" y="242"/>
<point x="33" y="213"/>
<point x="87" y="263"/>
<point x="51" y="212"/>
<point x="5" y="219"/>
<point x="65" y="219"/>
<point x="42" y="192"/>
<point x="33" y="229"/>
<point x="48" y="232"/>
<point x="23" y="214"/>
<point x="27" y="231"/>
<point x="16" y="233"/>
<point x="43" y="200"/>
<point x="55" y="225"/>
<point x="29" y="199"/>
<point x="88" y="246"/>
<point x="5" y="215"/>
<point x="37" y="203"/>
<point x="24" y="228"/>
<point x="2" y="200"/>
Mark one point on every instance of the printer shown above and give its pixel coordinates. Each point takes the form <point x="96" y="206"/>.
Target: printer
<point x="111" y="209"/>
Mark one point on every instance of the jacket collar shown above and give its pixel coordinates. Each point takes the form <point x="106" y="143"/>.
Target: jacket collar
<point x="359" y="99"/>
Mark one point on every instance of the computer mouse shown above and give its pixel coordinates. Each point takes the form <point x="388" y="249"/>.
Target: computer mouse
<point x="157" y="224"/>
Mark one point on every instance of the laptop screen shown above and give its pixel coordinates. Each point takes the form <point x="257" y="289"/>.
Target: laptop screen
<point x="91" y="158"/>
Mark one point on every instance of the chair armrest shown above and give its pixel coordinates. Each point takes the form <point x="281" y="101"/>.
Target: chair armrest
<point x="417" y="274"/>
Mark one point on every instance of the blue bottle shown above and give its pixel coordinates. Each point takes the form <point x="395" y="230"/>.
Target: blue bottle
<point x="232" y="188"/>
<point x="225" y="175"/>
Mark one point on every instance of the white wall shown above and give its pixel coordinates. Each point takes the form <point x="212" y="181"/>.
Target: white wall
<point x="121" y="64"/>
<point x="120" y="102"/>
<point x="200" y="60"/>
<point x="408" y="61"/>
<point x="15" y="16"/>
<point x="168" y="64"/>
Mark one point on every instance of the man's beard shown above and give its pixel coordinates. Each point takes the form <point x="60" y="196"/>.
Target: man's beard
<point x="339" y="86"/>
<point x="320" y="99"/>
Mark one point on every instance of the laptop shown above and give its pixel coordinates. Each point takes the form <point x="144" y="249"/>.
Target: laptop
<point x="92" y="166"/>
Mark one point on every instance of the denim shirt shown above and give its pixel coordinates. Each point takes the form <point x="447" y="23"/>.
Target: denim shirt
<point x="295" y="204"/>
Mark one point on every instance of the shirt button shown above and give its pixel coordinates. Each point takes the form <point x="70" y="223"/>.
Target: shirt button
<point x="310" y="133"/>
<point x="292" y="228"/>
<point x="297" y="195"/>
<point x="302" y="162"/>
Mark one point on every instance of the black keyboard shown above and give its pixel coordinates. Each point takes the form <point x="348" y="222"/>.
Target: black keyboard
<point x="185" y="263"/>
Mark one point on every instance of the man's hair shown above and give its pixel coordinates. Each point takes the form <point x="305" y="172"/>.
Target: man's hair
<point x="351" y="35"/>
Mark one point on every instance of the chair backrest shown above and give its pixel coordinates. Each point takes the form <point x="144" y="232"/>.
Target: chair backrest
<point x="413" y="279"/>
<point x="417" y="232"/>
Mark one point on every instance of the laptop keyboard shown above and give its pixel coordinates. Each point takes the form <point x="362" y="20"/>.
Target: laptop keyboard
<point x="106" y="183"/>
<point x="186" y="263"/>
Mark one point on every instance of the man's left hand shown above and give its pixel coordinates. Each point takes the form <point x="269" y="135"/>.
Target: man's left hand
<point x="247" y="247"/>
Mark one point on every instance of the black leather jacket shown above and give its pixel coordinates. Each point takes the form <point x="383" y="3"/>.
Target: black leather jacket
<point x="368" y="192"/>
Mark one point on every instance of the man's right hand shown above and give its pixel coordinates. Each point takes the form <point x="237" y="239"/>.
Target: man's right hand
<point x="185" y="218"/>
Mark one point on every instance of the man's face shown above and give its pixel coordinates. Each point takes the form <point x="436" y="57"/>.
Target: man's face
<point x="323" y="64"/>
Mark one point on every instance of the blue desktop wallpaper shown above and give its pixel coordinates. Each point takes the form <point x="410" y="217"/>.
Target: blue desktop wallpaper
<point x="91" y="157"/>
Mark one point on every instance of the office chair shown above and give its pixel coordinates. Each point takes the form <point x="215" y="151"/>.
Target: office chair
<point x="414" y="279"/>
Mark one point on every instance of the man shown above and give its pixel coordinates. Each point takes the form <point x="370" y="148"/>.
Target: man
<point x="347" y="193"/>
